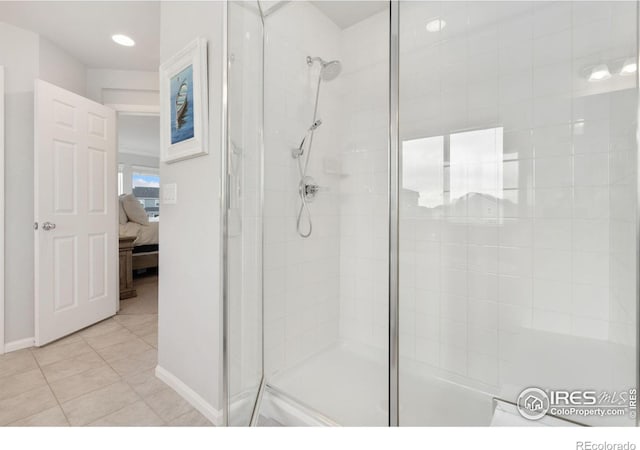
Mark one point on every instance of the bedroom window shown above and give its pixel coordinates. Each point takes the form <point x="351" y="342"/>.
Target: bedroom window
<point x="146" y="188"/>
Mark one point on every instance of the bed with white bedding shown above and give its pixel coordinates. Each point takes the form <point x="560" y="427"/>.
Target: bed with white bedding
<point x="146" y="234"/>
<point x="145" y="250"/>
<point x="134" y="222"/>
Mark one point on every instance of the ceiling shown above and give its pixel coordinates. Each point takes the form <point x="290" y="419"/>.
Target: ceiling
<point x="139" y="135"/>
<point x="347" y="13"/>
<point x="84" y="29"/>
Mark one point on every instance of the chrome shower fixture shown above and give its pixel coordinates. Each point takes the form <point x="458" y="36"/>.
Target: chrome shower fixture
<point x="298" y="151"/>
<point x="315" y="125"/>
<point x="307" y="188"/>
<point x="329" y="70"/>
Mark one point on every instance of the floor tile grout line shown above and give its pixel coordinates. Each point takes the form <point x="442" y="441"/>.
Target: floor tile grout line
<point x="166" y="422"/>
<point x="144" y="398"/>
<point x="131" y="355"/>
<point x="120" y="378"/>
<point x="118" y="343"/>
<point x="80" y="337"/>
<point x="69" y="360"/>
<point x="123" y="407"/>
<point x="182" y="415"/>
<point x="46" y="380"/>
<point x="123" y="380"/>
<point x="47" y="384"/>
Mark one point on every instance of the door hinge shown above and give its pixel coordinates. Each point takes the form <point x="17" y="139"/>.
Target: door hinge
<point x="35" y="225"/>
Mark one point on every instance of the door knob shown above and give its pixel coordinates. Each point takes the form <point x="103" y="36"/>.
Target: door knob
<point x="48" y="226"/>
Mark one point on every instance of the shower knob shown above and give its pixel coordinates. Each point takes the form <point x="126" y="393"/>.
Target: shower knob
<point x="309" y="188"/>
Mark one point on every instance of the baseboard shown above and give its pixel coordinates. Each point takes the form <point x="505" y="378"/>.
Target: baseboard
<point x="204" y="407"/>
<point x="19" y="344"/>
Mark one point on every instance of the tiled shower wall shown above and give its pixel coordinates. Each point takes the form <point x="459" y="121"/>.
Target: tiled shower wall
<point x="334" y="284"/>
<point x="364" y="187"/>
<point x="301" y="277"/>
<point x="517" y="262"/>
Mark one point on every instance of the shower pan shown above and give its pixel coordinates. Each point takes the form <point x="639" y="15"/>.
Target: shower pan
<point x="475" y="236"/>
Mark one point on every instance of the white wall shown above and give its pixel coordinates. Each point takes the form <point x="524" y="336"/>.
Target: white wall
<point x="130" y="87"/>
<point x="189" y="336"/>
<point x="19" y="56"/>
<point x="59" y="68"/>
<point x="25" y="57"/>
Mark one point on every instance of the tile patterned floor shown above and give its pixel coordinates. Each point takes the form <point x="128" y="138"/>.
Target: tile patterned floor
<point x="100" y="376"/>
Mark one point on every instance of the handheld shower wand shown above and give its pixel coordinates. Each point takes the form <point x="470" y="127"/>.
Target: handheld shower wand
<point x="307" y="189"/>
<point x="299" y="151"/>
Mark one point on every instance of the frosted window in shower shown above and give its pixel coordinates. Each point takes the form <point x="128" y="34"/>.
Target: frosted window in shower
<point x="422" y="169"/>
<point x="476" y="163"/>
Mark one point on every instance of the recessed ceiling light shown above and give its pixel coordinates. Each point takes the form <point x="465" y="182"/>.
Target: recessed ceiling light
<point x="629" y="67"/>
<point x="435" y="25"/>
<point x="123" y="40"/>
<point x="600" y="73"/>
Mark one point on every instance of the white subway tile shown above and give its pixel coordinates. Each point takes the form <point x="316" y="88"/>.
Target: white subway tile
<point x="515" y="261"/>
<point x="552" y="264"/>
<point x="553" y="172"/>
<point x="552" y="295"/>
<point x="552" y="233"/>
<point x="515" y="290"/>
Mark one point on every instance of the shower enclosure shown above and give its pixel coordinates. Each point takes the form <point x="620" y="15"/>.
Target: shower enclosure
<point x="466" y="224"/>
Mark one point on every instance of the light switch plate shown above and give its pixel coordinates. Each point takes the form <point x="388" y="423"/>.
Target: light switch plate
<point x="170" y="194"/>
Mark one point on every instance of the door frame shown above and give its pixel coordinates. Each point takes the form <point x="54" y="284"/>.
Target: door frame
<point x="2" y="206"/>
<point x="133" y="110"/>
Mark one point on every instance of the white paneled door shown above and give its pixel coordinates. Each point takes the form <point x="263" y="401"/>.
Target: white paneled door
<point x="76" y="245"/>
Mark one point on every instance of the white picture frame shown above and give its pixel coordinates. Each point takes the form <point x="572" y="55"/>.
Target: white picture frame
<point x="184" y="101"/>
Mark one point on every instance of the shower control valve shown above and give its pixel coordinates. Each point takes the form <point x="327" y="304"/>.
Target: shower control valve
<point x="312" y="189"/>
<point x="309" y="188"/>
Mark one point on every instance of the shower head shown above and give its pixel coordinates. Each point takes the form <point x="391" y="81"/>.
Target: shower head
<point x="329" y="70"/>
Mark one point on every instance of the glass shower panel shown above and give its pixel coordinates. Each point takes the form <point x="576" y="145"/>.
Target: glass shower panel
<point x="326" y="295"/>
<point x="244" y="210"/>
<point x="518" y="206"/>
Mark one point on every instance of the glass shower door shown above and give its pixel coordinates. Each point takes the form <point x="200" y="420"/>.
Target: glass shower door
<point x="325" y="261"/>
<point x="243" y="240"/>
<point x="517" y="206"/>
